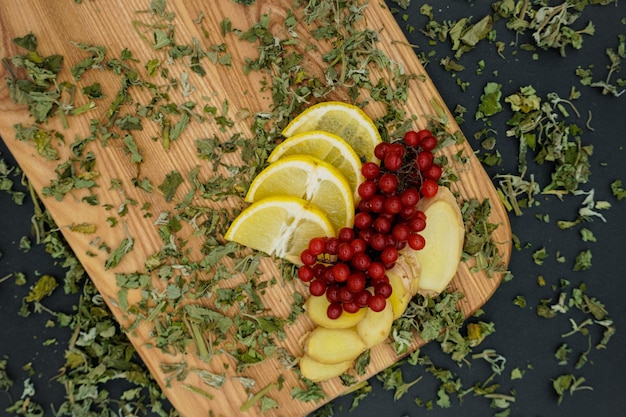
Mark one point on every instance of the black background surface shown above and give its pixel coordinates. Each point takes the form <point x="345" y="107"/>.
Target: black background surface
<point x="527" y="341"/>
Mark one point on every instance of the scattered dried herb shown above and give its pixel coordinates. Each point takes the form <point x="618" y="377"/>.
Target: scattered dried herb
<point x="7" y="182"/>
<point x="551" y="27"/>
<point x="568" y="383"/>
<point x="618" y="191"/>
<point x="490" y="101"/>
<point x="608" y="86"/>
<point x="5" y="381"/>
<point x="583" y="261"/>
<point x="479" y="244"/>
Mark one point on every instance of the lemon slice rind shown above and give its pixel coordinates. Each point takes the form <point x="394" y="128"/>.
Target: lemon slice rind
<point x="325" y="146"/>
<point x="311" y="179"/>
<point x="345" y="120"/>
<point x="279" y="226"/>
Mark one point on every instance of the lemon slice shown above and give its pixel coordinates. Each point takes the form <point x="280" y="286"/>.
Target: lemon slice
<point x="281" y="226"/>
<point x="311" y="179"/>
<point x="344" y="120"/>
<point x="327" y="147"/>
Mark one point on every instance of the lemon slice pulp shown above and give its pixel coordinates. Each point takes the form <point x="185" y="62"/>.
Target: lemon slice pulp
<point x="311" y="179"/>
<point x="327" y="147"/>
<point x="281" y="226"/>
<point x="344" y="120"/>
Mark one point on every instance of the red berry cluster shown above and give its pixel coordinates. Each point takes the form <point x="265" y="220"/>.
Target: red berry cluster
<point x="348" y="267"/>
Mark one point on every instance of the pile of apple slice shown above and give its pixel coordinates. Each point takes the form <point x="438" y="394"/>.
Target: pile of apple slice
<point x="331" y="348"/>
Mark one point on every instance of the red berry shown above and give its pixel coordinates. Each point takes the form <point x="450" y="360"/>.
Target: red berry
<point x="377" y="303"/>
<point x="428" y="143"/>
<point x="434" y="172"/>
<point x="424" y="160"/>
<point x="417" y="241"/>
<point x="393" y="161"/>
<point x="345" y="252"/>
<point x="429" y="188"/>
<point x="389" y="255"/>
<point x="396" y="148"/>
<point x="317" y="245"/>
<point x="334" y="310"/>
<point x="421" y="134"/>
<point x="307" y="257"/>
<point x="376" y="270"/>
<point x="381" y="150"/>
<point x="366" y="236"/>
<point x="317" y="287"/>
<point x="377" y="203"/>
<point x="356" y="282"/>
<point x="363" y="298"/>
<point x="363" y="220"/>
<point x="384" y="289"/>
<point x="388" y="183"/>
<point x="408" y="212"/>
<point x="351" y="307"/>
<point x="361" y="261"/>
<point x="382" y="224"/>
<point x="341" y="272"/>
<point x="410" y="197"/>
<point x="345" y="295"/>
<point x="370" y="170"/>
<point x="332" y="244"/>
<point x="346" y="234"/>
<point x="328" y="276"/>
<point x="411" y="138"/>
<point x="378" y="241"/>
<point x="393" y="205"/>
<point x="417" y="223"/>
<point x="305" y="273"/>
<point x="385" y="278"/>
<point x="365" y="206"/>
<point x="318" y="270"/>
<point x="367" y="189"/>
<point x="358" y="245"/>
<point x="401" y="232"/>
<point x="332" y="293"/>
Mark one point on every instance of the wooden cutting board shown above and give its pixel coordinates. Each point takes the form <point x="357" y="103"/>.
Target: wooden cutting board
<point x="126" y="24"/>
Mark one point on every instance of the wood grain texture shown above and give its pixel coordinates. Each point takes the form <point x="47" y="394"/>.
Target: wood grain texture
<point x="110" y="23"/>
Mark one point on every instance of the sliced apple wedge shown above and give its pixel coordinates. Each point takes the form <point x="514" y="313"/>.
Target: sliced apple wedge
<point x="444" y="234"/>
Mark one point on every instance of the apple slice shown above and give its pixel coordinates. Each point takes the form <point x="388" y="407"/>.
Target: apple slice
<point x="444" y="234"/>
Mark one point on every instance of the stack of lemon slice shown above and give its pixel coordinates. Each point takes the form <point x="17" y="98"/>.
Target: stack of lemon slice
<point x="310" y="186"/>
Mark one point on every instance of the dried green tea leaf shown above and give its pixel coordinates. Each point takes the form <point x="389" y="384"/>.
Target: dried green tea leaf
<point x="490" y="101"/>
<point x="125" y="246"/>
<point x="583" y="261"/>
<point x="42" y="288"/>
<point x="86" y="228"/>
<point x="618" y="190"/>
<point x="170" y="184"/>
